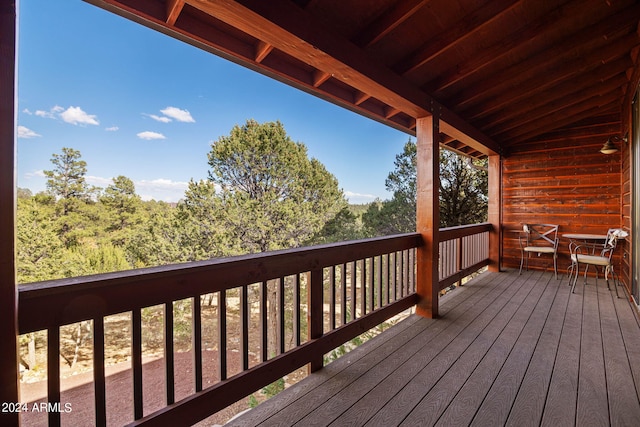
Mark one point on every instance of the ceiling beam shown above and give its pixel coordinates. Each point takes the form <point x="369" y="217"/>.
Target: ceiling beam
<point x="174" y="7"/>
<point x="294" y="32"/>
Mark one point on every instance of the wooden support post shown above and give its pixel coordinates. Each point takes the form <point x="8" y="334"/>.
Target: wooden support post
<point x="494" y="217"/>
<point x="428" y="214"/>
<point x="9" y="373"/>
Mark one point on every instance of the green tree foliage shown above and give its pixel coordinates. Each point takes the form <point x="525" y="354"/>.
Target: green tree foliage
<point x="463" y="190"/>
<point x="67" y="179"/>
<point x="272" y="196"/>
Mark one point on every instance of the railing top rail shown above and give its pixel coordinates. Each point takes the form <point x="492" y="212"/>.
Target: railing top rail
<point x="464" y="230"/>
<point x="69" y="300"/>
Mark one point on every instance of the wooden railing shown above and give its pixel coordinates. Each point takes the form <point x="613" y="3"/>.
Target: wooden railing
<point x="340" y="290"/>
<point x="463" y="250"/>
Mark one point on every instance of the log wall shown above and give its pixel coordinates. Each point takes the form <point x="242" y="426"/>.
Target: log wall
<point x="565" y="180"/>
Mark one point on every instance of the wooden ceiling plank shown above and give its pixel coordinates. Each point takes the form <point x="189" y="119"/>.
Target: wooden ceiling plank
<point x="467" y="27"/>
<point x="262" y="51"/>
<point x="533" y="79"/>
<point x="538" y="66"/>
<point x="570" y="87"/>
<point x="388" y="21"/>
<point x="539" y="96"/>
<point x="561" y="105"/>
<point x="312" y="43"/>
<point x="174" y="7"/>
<point x="506" y="46"/>
<point x="568" y="116"/>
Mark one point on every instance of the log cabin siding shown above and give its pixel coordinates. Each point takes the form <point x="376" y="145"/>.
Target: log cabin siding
<point x="563" y="180"/>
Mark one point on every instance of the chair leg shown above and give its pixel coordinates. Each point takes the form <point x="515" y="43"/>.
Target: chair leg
<point x="575" y="279"/>
<point x="555" y="266"/>
<point x="521" y="262"/>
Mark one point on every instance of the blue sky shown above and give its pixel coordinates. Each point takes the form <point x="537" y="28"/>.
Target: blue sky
<point x="137" y="103"/>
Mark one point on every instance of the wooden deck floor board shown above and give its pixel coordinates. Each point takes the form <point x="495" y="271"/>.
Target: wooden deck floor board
<point x="497" y="405"/>
<point x="426" y="373"/>
<point x="438" y="398"/>
<point x="362" y="410"/>
<point x="592" y="386"/>
<point x="433" y="338"/>
<point x="322" y="392"/>
<point x="508" y="350"/>
<point x="464" y="407"/>
<point x="529" y="404"/>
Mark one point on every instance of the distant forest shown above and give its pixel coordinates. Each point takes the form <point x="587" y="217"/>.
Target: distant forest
<point x="263" y="193"/>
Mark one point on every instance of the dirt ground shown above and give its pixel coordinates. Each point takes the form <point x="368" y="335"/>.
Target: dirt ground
<point x="77" y="382"/>
<point x="78" y="392"/>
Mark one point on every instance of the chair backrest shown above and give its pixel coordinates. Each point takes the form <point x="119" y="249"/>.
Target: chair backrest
<point x="541" y="234"/>
<point x="613" y="234"/>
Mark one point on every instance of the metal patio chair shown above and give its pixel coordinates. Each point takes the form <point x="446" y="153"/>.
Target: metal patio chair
<point x="539" y="239"/>
<point x="604" y="259"/>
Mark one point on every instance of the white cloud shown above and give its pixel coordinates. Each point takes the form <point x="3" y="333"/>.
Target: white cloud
<point x="38" y="173"/>
<point x="27" y="111"/>
<point x="148" y="135"/>
<point x="178" y="114"/>
<point x="98" y="181"/>
<point x="76" y="116"/>
<point x="358" y="198"/>
<point x="51" y="114"/>
<point x="112" y="129"/>
<point x="162" y="119"/>
<point x="161" y="189"/>
<point x="26" y="133"/>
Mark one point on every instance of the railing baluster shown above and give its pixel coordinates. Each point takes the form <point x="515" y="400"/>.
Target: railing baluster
<point x="372" y="291"/>
<point x="222" y="334"/>
<point x="264" y="326"/>
<point x="136" y="361"/>
<point x="343" y="289"/>
<point x="353" y="290"/>
<point x="100" y="397"/>
<point x="315" y="320"/>
<point x="169" y="353"/>
<point x="296" y="310"/>
<point x="332" y="297"/>
<point x="281" y="315"/>
<point x="53" y="373"/>
<point x="379" y="262"/>
<point x="363" y="287"/>
<point x="244" y="331"/>
<point x="197" y="341"/>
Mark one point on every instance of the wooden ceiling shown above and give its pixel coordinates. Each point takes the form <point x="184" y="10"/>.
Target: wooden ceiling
<point x="499" y="73"/>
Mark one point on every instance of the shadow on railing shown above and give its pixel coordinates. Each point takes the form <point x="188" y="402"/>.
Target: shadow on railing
<point x="296" y="305"/>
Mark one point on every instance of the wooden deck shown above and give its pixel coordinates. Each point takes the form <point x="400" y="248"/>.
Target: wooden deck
<point x="507" y="350"/>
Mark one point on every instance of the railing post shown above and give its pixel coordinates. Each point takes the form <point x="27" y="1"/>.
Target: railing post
<point x="494" y="212"/>
<point x="315" y="314"/>
<point x="428" y="213"/>
<point x="9" y="372"/>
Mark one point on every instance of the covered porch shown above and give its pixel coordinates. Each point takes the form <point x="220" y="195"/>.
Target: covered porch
<point x="535" y="87"/>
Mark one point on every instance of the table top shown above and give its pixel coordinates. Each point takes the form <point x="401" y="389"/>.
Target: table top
<point x="585" y="236"/>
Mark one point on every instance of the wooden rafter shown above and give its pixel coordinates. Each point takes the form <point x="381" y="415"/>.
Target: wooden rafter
<point x="388" y="21"/>
<point x="174" y="7"/>
<point x="262" y="50"/>
<point x="465" y="28"/>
